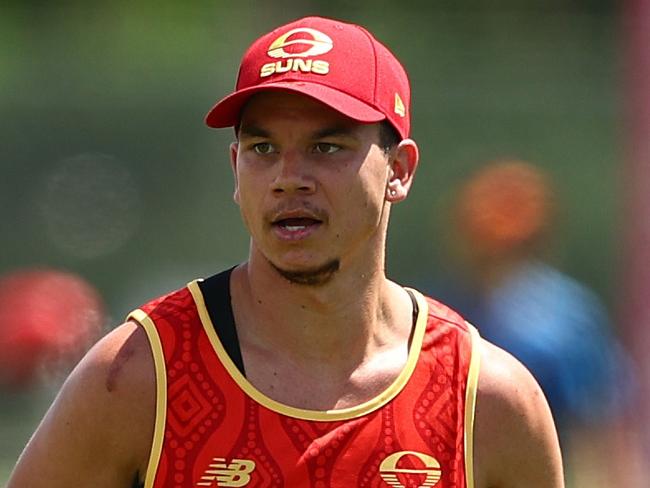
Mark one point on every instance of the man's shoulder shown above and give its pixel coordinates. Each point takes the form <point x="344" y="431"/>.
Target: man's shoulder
<point x="504" y="380"/>
<point x="124" y="358"/>
<point x="119" y="382"/>
<point x="513" y="423"/>
<point x="102" y="417"/>
<point x="116" y="374"/>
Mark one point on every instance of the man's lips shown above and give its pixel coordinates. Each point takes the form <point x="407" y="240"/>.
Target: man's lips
<point x="296" y="223"/>
<point x="293" y="226"/>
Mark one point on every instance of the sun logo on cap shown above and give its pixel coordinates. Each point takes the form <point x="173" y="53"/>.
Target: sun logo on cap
<point x="315" y="44"/>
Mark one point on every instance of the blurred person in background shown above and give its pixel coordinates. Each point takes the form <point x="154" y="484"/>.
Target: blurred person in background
<point x="503" y="218"/>
<point x="48" y="320"/>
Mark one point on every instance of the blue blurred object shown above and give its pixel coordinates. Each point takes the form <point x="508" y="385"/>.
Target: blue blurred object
<point x="560" y="331"/>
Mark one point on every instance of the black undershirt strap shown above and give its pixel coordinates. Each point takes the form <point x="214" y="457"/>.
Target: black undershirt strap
<point x="137" y="483"/>
<point x="416" y="309"/>
<point x="216" y="295"/>
<point x="416" y="312"/>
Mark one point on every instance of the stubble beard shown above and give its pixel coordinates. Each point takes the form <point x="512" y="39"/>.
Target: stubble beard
<point x="317" y="276"/>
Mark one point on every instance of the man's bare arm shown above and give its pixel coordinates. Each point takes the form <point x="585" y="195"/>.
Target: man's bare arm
<point x="516" y="444"/>
<point x="98" y="431"/>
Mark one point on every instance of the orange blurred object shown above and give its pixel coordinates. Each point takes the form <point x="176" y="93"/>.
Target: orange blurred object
<point x="505" y="205"/>
<point x="47" y="318"/>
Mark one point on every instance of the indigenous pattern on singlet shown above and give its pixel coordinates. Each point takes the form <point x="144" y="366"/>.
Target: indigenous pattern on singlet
<point x="215" y="429"/>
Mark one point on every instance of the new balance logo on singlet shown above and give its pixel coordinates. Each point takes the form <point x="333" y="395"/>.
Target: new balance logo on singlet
<point x="236" y="473"/>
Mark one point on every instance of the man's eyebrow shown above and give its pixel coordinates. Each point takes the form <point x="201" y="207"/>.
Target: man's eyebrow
<point x="253" y="131"/>
<point x="335" y="130"/>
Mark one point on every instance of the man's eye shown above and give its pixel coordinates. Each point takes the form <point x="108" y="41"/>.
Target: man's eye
<point x="263" y="148"/>
<point x="326" y="148"/>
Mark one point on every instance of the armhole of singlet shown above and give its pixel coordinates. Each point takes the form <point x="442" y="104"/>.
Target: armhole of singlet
<point x="470" y="403"/>
<point x="216" y="295"/>
<point x="161" y="393"/>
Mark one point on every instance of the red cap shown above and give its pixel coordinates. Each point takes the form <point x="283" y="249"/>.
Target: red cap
<point x="339" y="64"/>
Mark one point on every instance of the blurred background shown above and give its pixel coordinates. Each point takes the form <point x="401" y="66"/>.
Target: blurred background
<point x="110" y="180"/>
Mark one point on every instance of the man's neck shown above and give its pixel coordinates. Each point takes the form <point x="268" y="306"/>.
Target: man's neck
<point x="275" y="309"/>
<point x="346" y="333"/>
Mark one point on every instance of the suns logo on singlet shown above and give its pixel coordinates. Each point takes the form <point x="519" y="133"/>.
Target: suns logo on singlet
<point x="235" y="473"/>
<point x="399" y="473"/>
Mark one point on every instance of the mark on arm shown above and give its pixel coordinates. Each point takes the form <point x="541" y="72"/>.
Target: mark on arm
<point x="125" y="353"/>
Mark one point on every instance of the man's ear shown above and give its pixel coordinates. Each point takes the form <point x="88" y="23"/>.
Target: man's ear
<point x="234" y="146"/>
<point x="401" y="170"/>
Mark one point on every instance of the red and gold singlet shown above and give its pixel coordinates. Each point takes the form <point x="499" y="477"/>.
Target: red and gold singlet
<point x="215" y="429"/>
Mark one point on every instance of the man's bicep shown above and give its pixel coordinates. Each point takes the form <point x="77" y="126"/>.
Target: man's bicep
<point x="516" y="441"/>
<point x="82" y="440"/>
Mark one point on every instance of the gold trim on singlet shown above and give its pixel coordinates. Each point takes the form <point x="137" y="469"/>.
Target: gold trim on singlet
<point x="470" y="403"/>
<point x="335" y="414"/>
<point x="161" y="393"/>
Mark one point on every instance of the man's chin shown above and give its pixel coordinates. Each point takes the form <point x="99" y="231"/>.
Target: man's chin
<point x="316" y="276"/>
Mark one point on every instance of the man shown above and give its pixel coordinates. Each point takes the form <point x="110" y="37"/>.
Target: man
<point x="304" y="366"/>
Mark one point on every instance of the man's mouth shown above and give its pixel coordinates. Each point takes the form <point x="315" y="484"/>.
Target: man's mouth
<point x="296" y="223"/>
<point x="293" y="228"/>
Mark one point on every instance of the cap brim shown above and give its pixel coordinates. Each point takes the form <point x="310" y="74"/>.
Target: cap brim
<point x="226" y="113"/>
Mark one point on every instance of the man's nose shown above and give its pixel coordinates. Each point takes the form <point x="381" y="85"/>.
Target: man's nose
<point x="293" y="175"/>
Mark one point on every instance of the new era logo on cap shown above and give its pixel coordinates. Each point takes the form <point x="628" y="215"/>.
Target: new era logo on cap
<point x="400" y="109"/>
<point x="341" y="65"/>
